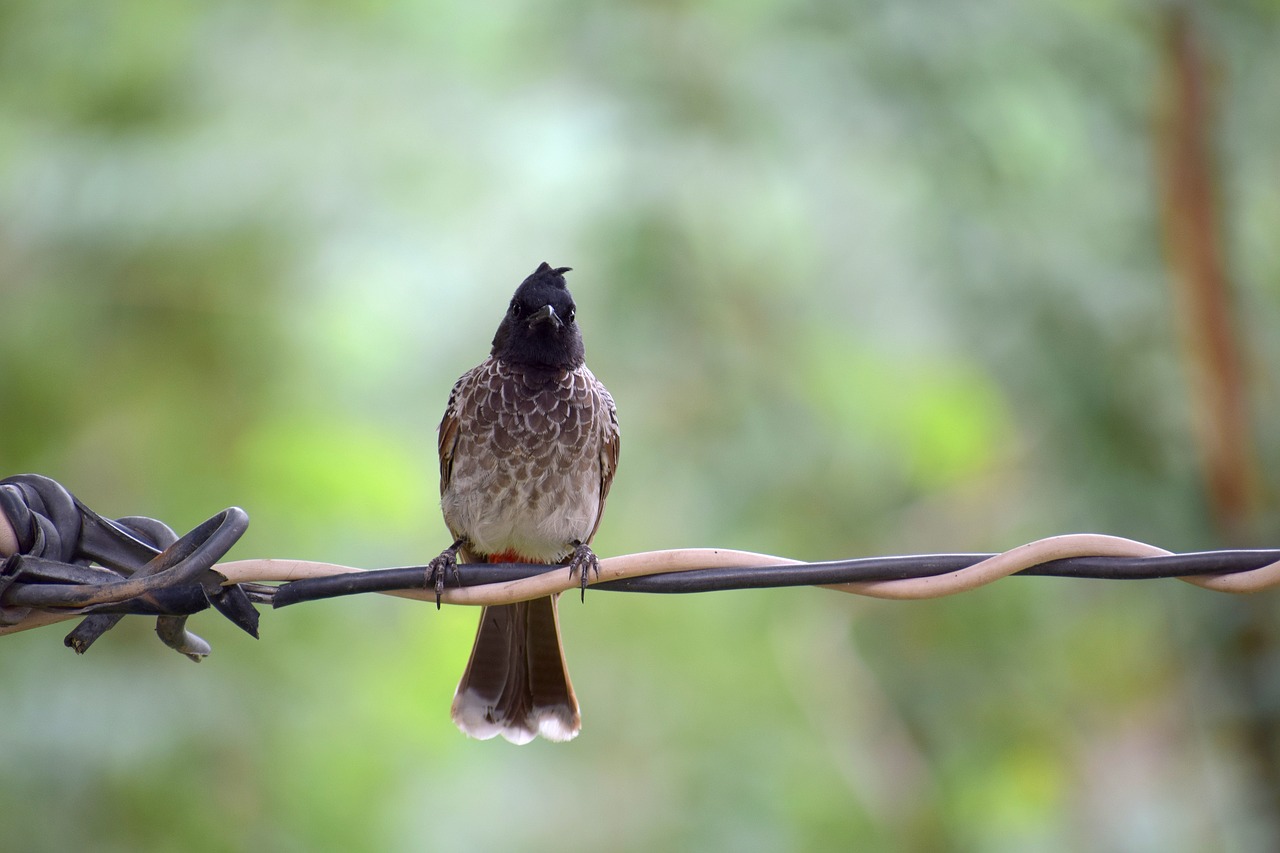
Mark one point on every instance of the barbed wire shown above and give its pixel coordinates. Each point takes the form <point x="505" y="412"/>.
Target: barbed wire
<point x="64" y="561"/>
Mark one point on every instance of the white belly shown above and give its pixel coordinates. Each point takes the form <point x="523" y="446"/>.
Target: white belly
<point x="536" y="516"/>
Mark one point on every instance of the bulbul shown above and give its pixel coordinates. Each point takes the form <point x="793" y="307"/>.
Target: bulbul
<point x="528" y="449"/>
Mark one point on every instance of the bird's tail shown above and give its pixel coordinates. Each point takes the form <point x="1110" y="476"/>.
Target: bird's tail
<point x="516" y="683"/>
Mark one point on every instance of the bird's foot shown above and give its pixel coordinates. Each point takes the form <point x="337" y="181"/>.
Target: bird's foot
<point x="443" y="566"/>
<point x="584" y="562"/>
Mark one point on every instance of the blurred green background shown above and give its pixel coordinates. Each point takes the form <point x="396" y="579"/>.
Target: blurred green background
<point x="864" y="278"/>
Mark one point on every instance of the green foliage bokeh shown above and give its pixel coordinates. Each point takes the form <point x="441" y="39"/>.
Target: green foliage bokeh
<point x="864" y="278"/>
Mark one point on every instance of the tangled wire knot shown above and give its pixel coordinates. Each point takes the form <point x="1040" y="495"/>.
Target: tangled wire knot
<point x="70" y="560"/>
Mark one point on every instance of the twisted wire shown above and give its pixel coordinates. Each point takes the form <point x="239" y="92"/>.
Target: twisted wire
<point x="1082" y="555"/>
<point x="62" y="560"/>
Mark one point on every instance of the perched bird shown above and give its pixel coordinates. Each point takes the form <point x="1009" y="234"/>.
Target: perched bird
<point x="528" y="449"/>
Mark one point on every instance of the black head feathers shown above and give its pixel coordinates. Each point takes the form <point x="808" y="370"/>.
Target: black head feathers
<point x="540" y="327"/>
<point x="553" y="276"/>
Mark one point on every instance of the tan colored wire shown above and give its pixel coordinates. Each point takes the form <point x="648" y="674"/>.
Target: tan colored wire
<point x="8" y="539"/>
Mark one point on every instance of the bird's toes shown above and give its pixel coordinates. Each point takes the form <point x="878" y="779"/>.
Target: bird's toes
<point x="585" y="563"/>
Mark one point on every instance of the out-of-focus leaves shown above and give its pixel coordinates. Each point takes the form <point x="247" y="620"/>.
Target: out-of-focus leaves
<point x="864" y="278"/>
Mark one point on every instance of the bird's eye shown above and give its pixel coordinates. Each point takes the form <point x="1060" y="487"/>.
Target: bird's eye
<point x="515" y="308"/>
<point x="570" y="314"/>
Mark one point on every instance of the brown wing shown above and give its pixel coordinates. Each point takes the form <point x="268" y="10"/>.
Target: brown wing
<point x="448" y="439"/>
<point x="612" y="440"/>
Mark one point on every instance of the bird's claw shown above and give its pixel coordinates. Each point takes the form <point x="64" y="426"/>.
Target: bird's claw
<point x="585" y="563"/>
<point x="442" y="567"/>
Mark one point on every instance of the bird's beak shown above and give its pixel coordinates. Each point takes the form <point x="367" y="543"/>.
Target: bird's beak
<point x="545" y="314"/>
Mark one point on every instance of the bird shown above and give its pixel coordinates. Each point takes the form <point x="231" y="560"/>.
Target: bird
<point x="528" y="449"/>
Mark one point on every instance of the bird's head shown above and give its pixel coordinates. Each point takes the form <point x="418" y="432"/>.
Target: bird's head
<point x="540" y="328"/>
